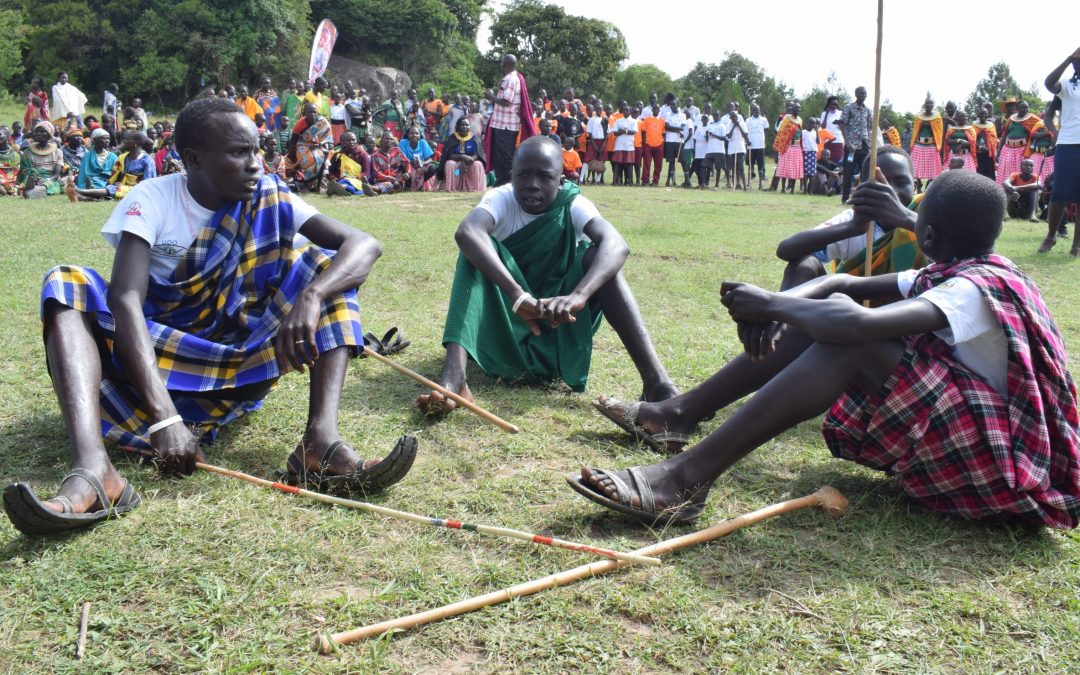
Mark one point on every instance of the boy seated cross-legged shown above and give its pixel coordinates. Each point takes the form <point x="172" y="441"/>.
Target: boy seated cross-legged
<point x="539" y="268"/>
<point x="958" y="387"/>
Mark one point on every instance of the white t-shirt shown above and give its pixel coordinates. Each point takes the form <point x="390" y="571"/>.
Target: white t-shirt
<point x="809" y="140"/>
<point x="716" y="140"/>
<point x="701" y="146"/>
<point x="977" y="339"/>
<point x="695" y="113"/>
<point x="675" y="120"/>
<point x="737" y="142"/>
<point x="846" y="248"/>
<point x="1070" y="111"/>
<point x="163" y="213"/>
<point x="337" y="112"/>
<point x="510" y="217"/>
<point x="755" y="127"/>
<point x="625" y="142"/>
<point x="595" y="128"/>
<point x="828" y="123"/>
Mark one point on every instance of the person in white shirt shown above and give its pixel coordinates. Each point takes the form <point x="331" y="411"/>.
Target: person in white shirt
<point x="737" y="137"/>
<point x="686" y="158"/>
<point x="957" y="387"/>
<point x="596" y="149"/>
<point x="623" y="155"/>
<point x="715" y="152"/>
<point x="810" y="150"/>
<point x="66" y="98"/>
<point x="1066" y="151"/>
<point x="111" y="105"/>
<point x="756" y="125"/>
<point x="674" y="134"/>
<point x="691" y="109"/>
<point x="829" y="118"/>
<point x="516" y="274"/>
<point x="160" y="351"/>
<point x="700" y="166"/>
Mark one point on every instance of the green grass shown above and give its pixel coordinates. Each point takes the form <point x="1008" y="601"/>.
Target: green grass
<point x="214" y="575"/>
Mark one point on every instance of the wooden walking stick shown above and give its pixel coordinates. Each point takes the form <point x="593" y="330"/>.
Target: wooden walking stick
<point x="829" y="499"/>
<point x="460" y="400"/>
<point x="873" y="140"/>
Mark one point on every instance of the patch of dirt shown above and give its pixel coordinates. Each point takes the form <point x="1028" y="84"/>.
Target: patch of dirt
<point x="347" y="592"/>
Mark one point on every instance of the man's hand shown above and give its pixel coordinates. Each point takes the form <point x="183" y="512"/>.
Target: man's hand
<point x="746" y="302"/>
<point x="562" y="309"/>
<point x="295" y="341"/>
<point x="759" y="339"/>
<point x="177" y="450"/>
<point x="877" y="200"/>
<point x="531" y="312"/>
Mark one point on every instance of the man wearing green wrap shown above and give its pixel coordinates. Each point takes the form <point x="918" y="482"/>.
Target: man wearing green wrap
<point x="538" y="269"/>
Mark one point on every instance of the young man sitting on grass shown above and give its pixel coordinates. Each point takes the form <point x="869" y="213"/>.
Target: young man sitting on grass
<point x="958" y="387"/>
<point x="539" y="268"/>
<point x="208" y="305"/>
<point x="840" y="242"/>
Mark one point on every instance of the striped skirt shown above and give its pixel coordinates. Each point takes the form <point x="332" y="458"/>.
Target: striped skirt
<point x="790" y="163"/>
<point x="926" y="162"/>
<point x="1044" y="166"/>
<point x="1009" y="162"/>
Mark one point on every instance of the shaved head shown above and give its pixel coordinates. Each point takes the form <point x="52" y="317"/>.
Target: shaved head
<point x="538" y="151"/>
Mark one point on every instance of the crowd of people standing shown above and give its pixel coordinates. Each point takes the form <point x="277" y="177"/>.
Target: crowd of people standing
<point x="335" y="139"/>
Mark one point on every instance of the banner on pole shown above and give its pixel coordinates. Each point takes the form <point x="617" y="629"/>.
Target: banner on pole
<point x="321" y="48"/>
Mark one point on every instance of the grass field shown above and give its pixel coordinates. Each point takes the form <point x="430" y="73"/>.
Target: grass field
<point x="212" y="575"/>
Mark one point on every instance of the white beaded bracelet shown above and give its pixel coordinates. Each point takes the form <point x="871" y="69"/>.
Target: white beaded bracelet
<point x="521" y="298"/>
<point x="154" y="428"/>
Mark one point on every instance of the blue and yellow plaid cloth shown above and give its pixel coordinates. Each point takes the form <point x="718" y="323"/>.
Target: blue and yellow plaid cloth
<point x="213" y="322"/>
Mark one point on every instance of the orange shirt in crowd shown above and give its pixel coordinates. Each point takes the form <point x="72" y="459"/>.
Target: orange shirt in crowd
<point x="615" y="117"/>
<point x="653" y="130"/>
<point x="571" y="161"/>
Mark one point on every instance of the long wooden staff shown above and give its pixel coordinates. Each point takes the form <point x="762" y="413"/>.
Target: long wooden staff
<point x="448" y="523"/>
<point x="460" y="400"/>
<point x="427" y="520"/>
<point x="828" y="498"/>
<point x="873" y="139"/>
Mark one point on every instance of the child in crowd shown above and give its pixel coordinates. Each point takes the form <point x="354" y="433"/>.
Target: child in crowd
<point x="810" y="150"/>
<point x="1023" y="188"/>
<point x="571" y="161"/>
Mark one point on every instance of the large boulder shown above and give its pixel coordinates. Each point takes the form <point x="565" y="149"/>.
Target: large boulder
<point x="377" y="80"/>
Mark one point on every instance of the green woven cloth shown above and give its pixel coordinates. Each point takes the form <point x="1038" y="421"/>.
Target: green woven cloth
<point x="545" y="258"/>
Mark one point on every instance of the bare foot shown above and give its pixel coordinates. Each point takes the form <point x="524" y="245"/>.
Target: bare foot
<point x="437" y="404"/>
<point x="82" y="496"/>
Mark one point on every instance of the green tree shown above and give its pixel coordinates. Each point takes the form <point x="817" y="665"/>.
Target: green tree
<point x="635" y="83"/>
<point x="417" y="36"/>
<point x="998" y="84"/>
<point x="557" y="50"/>
<point x="12" y="33"/>
<point x="736" y="78"/>
<point x="164" y="47"/>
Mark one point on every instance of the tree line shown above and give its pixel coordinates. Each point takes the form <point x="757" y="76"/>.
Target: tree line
<point x="168" y="50"/>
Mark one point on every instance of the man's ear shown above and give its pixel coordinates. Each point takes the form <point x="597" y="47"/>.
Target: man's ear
<point x="190" y="158"/>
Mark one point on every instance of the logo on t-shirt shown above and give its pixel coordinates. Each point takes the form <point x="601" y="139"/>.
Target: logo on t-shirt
<point x="168" y="248"/>
<point x="134" y="209"/>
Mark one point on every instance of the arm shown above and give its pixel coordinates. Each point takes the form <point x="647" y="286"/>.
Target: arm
<point x="806" y="242"/>
<point x="835" y="318"/>
<point x="611" y="252"/>
<point x="1052" y="80"/>
<point x="473" y="237"/>
<point x="356" y="254"/>
<point x="174" y="444"/>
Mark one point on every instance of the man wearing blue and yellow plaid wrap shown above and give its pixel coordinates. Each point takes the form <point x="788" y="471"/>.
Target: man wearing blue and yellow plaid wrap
<point x="209" y="303"/>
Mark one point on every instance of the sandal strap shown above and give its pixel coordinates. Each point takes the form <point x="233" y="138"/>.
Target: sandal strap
<point x="644" y="490"/>
<point x="328" y="455"/>
<point x="94" y="483"/>
<point x="620" y="486"/>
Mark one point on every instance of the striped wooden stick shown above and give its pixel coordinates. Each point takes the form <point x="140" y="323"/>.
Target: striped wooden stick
<point x="827" y="498"/>
<point x="873" y="140"/>
<point x="448" y="523"/>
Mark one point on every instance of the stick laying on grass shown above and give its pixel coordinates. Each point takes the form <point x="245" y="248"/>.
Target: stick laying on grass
<point x="829" y="499"/>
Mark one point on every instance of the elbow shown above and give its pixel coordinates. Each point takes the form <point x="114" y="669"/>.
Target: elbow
<point x="785" y="250"/>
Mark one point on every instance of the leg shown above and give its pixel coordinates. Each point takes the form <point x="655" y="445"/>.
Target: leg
<point x="796" y="394"/>
<point x="452" y="378"/>
<point x="622" y="313"/>
<point x="327" y="378"/>
<point x="75" y="366"/>
<point x="1055" y="218"/>
<point x="800" y="271"/>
